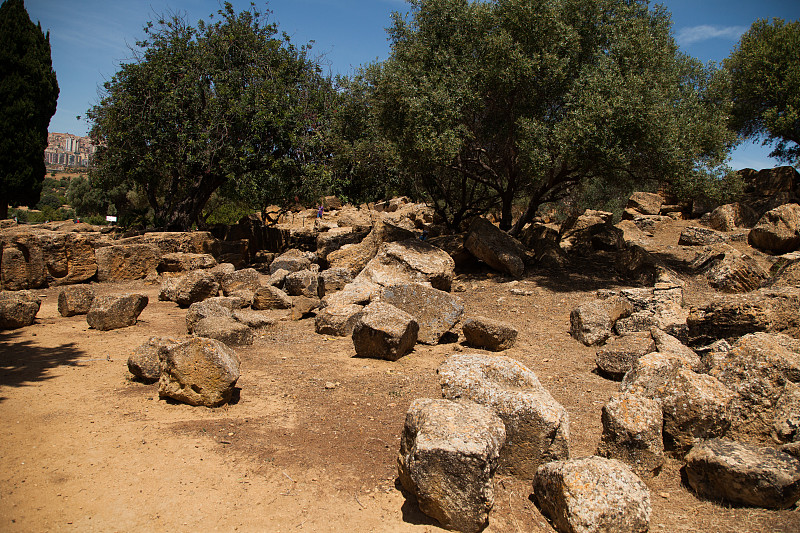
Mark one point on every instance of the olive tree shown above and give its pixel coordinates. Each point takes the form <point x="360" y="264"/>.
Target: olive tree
<point x="223" y="103"/>
<point x="511" y="100"/>
<point x="765" y="85"/>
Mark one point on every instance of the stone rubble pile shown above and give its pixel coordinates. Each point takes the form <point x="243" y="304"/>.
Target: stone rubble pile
<point x="715" y="385"/>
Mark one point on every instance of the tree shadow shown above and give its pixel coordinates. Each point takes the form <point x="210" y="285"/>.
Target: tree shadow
<point x="582" y="274"/>
<point x="23" y="362"/>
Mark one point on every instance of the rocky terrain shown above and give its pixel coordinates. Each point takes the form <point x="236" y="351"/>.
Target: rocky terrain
<point x="260" y="378"/>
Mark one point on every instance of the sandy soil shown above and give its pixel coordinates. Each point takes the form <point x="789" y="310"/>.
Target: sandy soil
<point x="83" y="447"/>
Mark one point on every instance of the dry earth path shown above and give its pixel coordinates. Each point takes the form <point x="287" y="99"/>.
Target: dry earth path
<point x="310" y="443"/>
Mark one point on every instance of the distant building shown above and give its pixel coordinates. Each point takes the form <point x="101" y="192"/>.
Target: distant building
<point x="67" y="150"/>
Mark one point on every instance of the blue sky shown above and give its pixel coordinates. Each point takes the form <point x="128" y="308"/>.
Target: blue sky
<point x="89" y="39"/>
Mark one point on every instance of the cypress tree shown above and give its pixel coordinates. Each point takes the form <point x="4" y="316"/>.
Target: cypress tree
<point x="28" y="95"/>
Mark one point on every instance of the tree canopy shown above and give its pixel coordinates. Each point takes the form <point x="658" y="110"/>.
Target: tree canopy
<point x="765" y="84"/>
<point x="227" y="103"/>
<point x="492" y="102"/>
<point x="28" y="95"/>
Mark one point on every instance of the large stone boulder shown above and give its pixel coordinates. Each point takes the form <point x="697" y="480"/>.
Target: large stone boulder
<point x="448" y="457"/>
<point x="360" y="293"/>
<point x="734" y="271"/>
<point x="778" y="231"/>
<point x="744" y="474"/>
<point x="645" y="203"/>
<point x="495" y="247"/>
<point x="269" y="297"/>
<point x="221" y="270"/>
<point x="246" y="279"/>
<point x="253" y="319"/>
<point x="591" y="322"/>
<point x="144" y="362"/>
<point x="537" y="426"/>
<point x="186" y="262"/>
<point x="333" y="279"/>
<point x="199" y="372"/>
<point x="435" y="311"/>
<point x="384" y="332"/>
<point x="302" y="283"/>
<point x="302" y="306"/>
<point x="224" y="329"/>
<point x="409" y="261"/>
<point x="18" y="309"/>
<point x="592" y="495"/>
<point x="190" y="242"/>
<point x="669" y="345"/>
<point x="333" y="239"/>
<point x="729" y="217"/>
<point x="22" y="262"/>
<point x="219" y="306"/>
<point x="70" y="258"/>
<point x="732" y="316"/>
<point x="127" y="262"/>
<point x="660" y="306"/>
<point x="787" y="274"/>
<point x="354" y="257"/>
<point x="195" y="286"/>
<point x="694" y="406"/>
<point x="292" y="260"/>
<point x="633" y="261"/>
<point x="769" y="184"/>
<point x="589" y="232"/>
<point x="617" y="356"/>
<point x="786" y="420"/>
<point x="338" y="320"/>
<point x="115" y="311"/>
<point x="493" y="335"/>
<point x="698" y="236"/>
<point x="632" y="432"/>
<point x="75" y="300"/>
<point x="758" y="368"/>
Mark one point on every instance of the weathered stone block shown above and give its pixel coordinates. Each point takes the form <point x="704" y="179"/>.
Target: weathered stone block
<point x="384" y="332"/>
<point x="199" y="372"/>
<point x="592" y="495"/>
<point x="115" y="311"/>
<point x="537" y="426"/>
<point x="721" y="469"/>
<point x="448" y="456"/>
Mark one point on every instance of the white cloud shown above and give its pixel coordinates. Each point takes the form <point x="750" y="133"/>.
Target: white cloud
<point x="694" y="34"/>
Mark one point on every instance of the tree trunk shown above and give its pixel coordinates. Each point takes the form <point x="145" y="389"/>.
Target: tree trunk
<point x="187" y="211"/>
<point x="506" y="215"/>
<point x="3" y="211"/>
<point x="527" y="216"/>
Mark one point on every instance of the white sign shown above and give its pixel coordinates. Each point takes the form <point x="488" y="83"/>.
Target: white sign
<point x="109" y="218"/>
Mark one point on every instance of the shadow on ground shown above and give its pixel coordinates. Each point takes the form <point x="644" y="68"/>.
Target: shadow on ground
<point x="23" y="362"/>
<point x="583" y="274"/>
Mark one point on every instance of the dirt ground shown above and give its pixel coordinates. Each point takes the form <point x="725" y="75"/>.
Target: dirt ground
<point x="310" y="441"/>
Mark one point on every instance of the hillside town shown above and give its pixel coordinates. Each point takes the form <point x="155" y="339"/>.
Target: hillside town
<point x="66" y="150"/>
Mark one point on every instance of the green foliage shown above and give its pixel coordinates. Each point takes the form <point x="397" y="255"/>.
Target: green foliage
<point x="52" y="183"/>
<point x="765" y="85"/>
<point x="364" y="165"/>
<point x="28" y="94"/>
<point x="50" y="200"/>
<point x="46" y="214"/>
<point x="226" y="103"/>
<point x="85" y="199"/>
<point x="223" y="211"/>
<point x="490" y="102"/>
